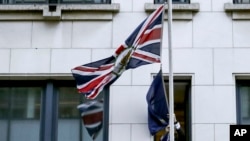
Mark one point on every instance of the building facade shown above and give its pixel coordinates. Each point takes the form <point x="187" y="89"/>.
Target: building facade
<point x="41" y="41"/>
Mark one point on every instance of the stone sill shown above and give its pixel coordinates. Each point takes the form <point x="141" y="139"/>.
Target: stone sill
<point x="180" y="11"/>
<point x="62" y="12"/>
<point x="239" y="11"/>
<point x="36" y="76"/>
<point x="236" y="7"/>
<point x="114" y="7"/>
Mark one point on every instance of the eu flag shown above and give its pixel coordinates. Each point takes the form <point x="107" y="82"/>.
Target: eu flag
<point x="157" y="105"/>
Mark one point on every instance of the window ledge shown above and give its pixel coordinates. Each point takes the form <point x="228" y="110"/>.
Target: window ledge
<point x="62" y="12"/>
<point x="36" y="76"/>
<point x="236" y="7"/>
<point x="239" y="11"/>
<point x="180" y="11"/>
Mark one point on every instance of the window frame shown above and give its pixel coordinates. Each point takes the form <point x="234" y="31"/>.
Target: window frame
<point x="240" y="83"/>
<point x="188" y="103"/>
<point x="18" y="84"/>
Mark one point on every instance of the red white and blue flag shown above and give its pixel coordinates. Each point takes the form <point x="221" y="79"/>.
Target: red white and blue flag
<point x="142" y="47"/>
<point x="92" y="116"/>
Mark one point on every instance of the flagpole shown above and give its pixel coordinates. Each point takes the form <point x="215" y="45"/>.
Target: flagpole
<point x="171" y="80"/>
<point x="163" y="15"/>
<point x="162" y="21"/>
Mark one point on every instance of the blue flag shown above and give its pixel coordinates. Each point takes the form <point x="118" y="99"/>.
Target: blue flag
<point x="157" y="105"/>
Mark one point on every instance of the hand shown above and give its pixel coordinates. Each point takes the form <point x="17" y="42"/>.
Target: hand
<point x="175" y="120"/>
<point x="167" y="129"/>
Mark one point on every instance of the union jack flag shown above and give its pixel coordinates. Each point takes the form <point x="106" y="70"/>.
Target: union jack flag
<point x="92" y="116"/>
<point x="142" y="47"/>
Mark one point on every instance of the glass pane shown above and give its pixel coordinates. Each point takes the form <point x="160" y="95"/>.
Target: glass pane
<point x="25" y="113"/>
<point x="68" y="101"/>
<point x="245" y="1"/>
<point x="245" y="105"/>
<point x="92" y="118"/>
<point x="4" y="103"/>
<point x="26" y="102"/>
<point x="4" y="113"/>
<point x="24" y="130"/>
<point x="3" y="129"/>
<point x="69" y="121"/>
<point x="69" y="130"/>
<point x="242" y="1"/>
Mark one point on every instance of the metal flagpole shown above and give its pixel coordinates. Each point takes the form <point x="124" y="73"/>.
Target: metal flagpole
<point x="163" y="15"/>
<point x="171" y="80"/>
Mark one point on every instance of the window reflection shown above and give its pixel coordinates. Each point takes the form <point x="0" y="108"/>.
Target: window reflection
<point x="68" y="115"/>
<point x="242" y="1"/>
<point x="4" y="103"/>
<point x="92" y="117"/>
<point x="25" y="103"/>
<point x="20" y="113"/>
<point x="95" y="130"/>
<point x="68" y="101"/>
<point x="244" y="104"/>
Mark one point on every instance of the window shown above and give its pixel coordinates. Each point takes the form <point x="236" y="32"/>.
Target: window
<point x="241" y="1"/>
<point x="243" y="101"/>
<point x="95" y="129"/>
<point x="182" y="106"/>
<point x="55" y="1"/>
<point x="20" y="112"/>
<point x="173" y="1"/>
<point x="69" y="123"/>
<point x="43" y="111"/>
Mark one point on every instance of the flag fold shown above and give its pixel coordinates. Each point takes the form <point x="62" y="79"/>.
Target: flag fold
<point x="92" y="116"/>
<point x="157" y="105"/>
<point x="142" y="47"/>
